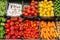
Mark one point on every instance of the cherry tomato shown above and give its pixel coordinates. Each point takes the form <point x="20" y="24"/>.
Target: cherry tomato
<point x="11" y="23"/>
<point x="32" y="8"/>
<point x="8" y="21"/>
<point x="36" y="3"/>
<point x="26" y="14"/>
<point x="35" y="14"/>
<point x="7" y="36"/>
<point x="32" y="4"/>
<point x="20" y="20"/>
<point x="32" y="12"/>
<point x="14" y="37"/>
<point x="36" y="6"/>
<point x="7" y="25"/>
<point x="7" y="30"/>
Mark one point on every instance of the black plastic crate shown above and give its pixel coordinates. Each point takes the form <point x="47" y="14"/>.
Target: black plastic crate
<point x="50" y="20"/>
<point x="2" y="25"/>
<point x="3" y="8"/>
<point x="48" y="16"/>
<point x="9" y="18"/>
<point x="30" y="19"/>
<point x="57" y="23"/>
<point x="27" y="2"/>
<point x="56" y="8"/>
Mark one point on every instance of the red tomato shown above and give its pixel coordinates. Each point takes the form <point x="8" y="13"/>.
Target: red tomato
<point x="12" y="27"/>
<point x="14" y="37"/>
<point x="37" y="30"/>
<point x="18" y="36"/>
<point x="32" y="4"/>
<point x="20" y="20"/>
<point x="36" y="6"/>
<point x="32" y="8"/>
<point x="7" y="30"/>
<point x="12" y="32"/>
<point x="20" y="28"/>
<point x="16" y="27"/>
<point x="11" y="19"/>
<point x="11" y="23"/>
<point x="8" y="21"/>
<point x="36" y="2"/>
<point x="36" y="36"/>
<point x="32" y="1"/>
<point x="26" y="7"/>
<point x="26" y="14"/>
<point x="15" y="18"/>
<point x="7" y="25"/>
<point x="35" y="14"/>
<point x="23" y="13"/>
<point x="24" y="10"/>
<point x="16" y="33"/>
<point x="28" y="11"/>
<point x="7" y="36"/>
<point x="20" y="33"/>
<point x="20" y="25"/>
<point x="16" y="23"/>
<point x="32" y="12"/>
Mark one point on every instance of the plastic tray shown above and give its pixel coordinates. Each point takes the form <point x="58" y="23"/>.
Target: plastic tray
<point x="47" y="16"/>
<point x="47" y="20"/>
<point x="57" y="20"/>
<point x="38" y="28"/>
<point x="27" y="2"/>
<point x="55" y="10"/>
<point x="5" y="10"/>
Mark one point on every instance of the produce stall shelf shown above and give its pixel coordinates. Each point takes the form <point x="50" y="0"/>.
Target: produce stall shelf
<point x="30" y="19"/>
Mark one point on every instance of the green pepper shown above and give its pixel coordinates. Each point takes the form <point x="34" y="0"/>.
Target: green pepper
<point x="3" y="4"/>
<point x="0" y="19"/>
<point x="3" y="19"/>
<point x="2" y="24"/>
<point x="2" y="32"/>
<point x="1" y="36"/>
<point x="1" y="28"/>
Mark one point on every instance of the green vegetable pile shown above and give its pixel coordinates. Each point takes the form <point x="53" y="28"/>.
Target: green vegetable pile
<point x="2" y="23"/>
<point x="57" y="7"/>
<point x="3" y="7"/>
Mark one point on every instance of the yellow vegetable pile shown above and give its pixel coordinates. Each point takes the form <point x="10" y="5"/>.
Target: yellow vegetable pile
<point x="59" y="29"/>
<point x="46" y="8"/>
<point x="48" y="30"/>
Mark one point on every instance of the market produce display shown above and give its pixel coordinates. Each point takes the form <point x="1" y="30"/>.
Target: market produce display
<point x="25" y="19"/>
<point x="31" y="29"/>
<point x="2" y="23"/>
<point x="31" y="10"/>
<point x="13" y="28"/>
<point x="58" y="28"/>
<point x="14" y="9"/>
<point x="3" y="7"/>
<point x="46" y="8"/>
<point x="57" y="7"/>
<point x="48" y="30"/>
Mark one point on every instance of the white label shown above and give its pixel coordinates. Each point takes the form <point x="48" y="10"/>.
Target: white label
<point x="14" y="9"/>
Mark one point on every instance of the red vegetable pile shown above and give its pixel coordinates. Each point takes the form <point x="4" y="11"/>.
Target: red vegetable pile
<point x="30" y="29"/>
<point x="31" y="10"/>
<point x="14" y="28"/>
